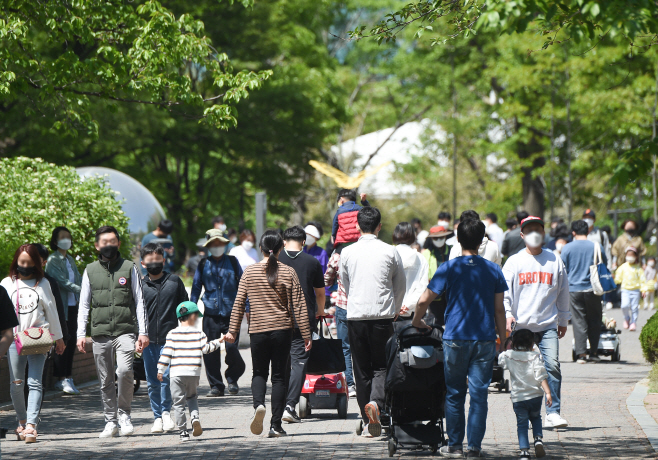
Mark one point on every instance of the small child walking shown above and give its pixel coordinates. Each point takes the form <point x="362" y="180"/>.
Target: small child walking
<point x="650" y="276"/>
<point x="633" y="286"/>
<point x="528" y="377"/>
<point x="183" y="351"/>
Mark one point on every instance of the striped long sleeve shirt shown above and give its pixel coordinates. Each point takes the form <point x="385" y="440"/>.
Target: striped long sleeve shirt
<point x="270" y="310"/>
<point x="184" y="350"/>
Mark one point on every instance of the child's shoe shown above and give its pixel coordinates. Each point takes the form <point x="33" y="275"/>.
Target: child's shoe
<point x="539" y="447"/>
<point x="525" y="455"/>
<point x="631" y="327"/>
<point x="196" y="427"/>
<point x="184" y="436"/>
<point x="625" y="324"/>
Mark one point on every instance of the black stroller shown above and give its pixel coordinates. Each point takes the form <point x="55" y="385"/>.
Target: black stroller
<point x="415" y="388"/>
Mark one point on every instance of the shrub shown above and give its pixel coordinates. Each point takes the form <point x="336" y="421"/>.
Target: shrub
<point x="37" y="196"/>
<point x="649" y="339"/>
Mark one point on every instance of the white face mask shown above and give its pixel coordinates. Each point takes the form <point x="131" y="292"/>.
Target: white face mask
<point x="64" y="244"/>
<point x="444" y="224"/>
<point x="217" y="251"/>
<point x="438" y="242"/>
<point x="631" y="259"/>
<point x="589" y="222"/>
<point x="222" y="228"/>
<point x="310" y="240"/>
<point x="233" y="239"/>
<point x="247" y="245"/>
<point x="651" y="263"/>
<point x="559" y="246"/>
<point x="533" y="240"/>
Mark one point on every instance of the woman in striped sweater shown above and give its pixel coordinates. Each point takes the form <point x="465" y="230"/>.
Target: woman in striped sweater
<point x="276" y="299"/>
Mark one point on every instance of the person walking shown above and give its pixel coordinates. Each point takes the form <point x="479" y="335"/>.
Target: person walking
<point x="474" y="313"/>
<point x="373" y="276"/>
<point x="597" y="235"/>
<point x="276" y="302"/>
<point x="414" y="265"/>
<point x="630" y="237"/>
<point x="310" y="275"/>
<point x="633" y="286"/>
<point x="586" y="312"/>
<point x="34" y="304"/>
<point x="111" y="299"/>
<point x="313" y="232"/>
<point x="343" y="229"/>
<point x="163" y="292"/>
<point x="538" y="299"/>
<point x="245" y="252"/>
<point x="650" y="277"/>
<point x="513" y="242"/>
<point x="494" y="232"/>
<point x="62" y="267"/>
<point x="421" y="235"/>
<point x="488" y="249"/>
<point x="436" y="252"/>
<point x="219" y="276"/>
<point x="162" y="235"/>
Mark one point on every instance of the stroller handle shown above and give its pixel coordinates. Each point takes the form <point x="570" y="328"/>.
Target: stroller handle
<point x="424" y="333"/>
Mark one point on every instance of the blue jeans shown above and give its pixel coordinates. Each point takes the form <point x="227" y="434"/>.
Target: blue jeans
<point x="630" y="305"/>
<point x="473" y="360"/>
<point x="528" y="410"/>
<point x="159" y="392"/>
<point x="550" y="352"/>
<point x="34" y="377"/>
<point x="341" y="331"/>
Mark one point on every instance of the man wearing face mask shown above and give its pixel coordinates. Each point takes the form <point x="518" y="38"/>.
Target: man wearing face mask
<point x="219" y="275"/>
<point x="630" y="237"/>
<point x="111" y="294"/>
<point x="538" y="299"/>
<point x="163" y="292"/>
<point x="596" y="235"/>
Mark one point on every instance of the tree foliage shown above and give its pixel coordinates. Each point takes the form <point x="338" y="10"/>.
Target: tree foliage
<point x="38" y="196"/>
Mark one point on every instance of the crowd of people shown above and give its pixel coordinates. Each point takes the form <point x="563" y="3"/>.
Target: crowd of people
<point x="451" y="275"/>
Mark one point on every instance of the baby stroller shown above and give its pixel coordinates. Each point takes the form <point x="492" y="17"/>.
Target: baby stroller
<point x="415" y="388"/>
<point x="609" y="342"/>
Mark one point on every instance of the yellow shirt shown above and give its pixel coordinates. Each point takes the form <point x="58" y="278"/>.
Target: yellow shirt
<point x="631" y="277"/>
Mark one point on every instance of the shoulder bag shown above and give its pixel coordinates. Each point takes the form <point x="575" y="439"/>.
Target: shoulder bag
<point x="34" y="340"/>
<point x="599" y="275"/>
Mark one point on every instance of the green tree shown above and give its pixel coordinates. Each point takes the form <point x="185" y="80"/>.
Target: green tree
<point x="38" y="196"/>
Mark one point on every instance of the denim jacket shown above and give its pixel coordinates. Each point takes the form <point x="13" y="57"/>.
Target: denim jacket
<point x="56" y="267"/>
<point x="220" y="283"/>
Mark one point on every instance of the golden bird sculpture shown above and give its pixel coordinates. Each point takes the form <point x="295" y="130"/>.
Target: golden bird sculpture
<point x="342" y="179"/>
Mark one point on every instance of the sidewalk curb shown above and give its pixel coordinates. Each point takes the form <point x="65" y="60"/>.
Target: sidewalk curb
<point x="635" y="405"/>
<point x="47" y="396"/>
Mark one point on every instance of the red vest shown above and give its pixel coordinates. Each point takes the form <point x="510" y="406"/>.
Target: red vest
<point x="347" y="231"/>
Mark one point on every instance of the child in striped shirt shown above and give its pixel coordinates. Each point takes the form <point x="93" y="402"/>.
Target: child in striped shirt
<point x="183" y="351"/>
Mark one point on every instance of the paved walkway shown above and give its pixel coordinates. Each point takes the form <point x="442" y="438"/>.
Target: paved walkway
<point x="594" y="402"/>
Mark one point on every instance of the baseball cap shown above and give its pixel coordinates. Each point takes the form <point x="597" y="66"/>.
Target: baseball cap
<point x="439" y="231"/>
<point x="631" y="248"/>
<point x="313" y="231"/>
<point x="214" y="234"/>
<point x="589" y="213"/>
<point x="186" y="308"/>
<point x="532" y="220"/>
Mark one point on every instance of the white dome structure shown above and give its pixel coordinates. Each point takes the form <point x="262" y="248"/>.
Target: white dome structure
<point x="138" y="203"/>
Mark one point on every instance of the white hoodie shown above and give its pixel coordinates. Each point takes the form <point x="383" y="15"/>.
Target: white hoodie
<point x="488" y="250"/>
<point x="416" y="273"/>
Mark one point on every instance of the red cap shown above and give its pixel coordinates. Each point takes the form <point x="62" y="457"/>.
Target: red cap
<point x="532" y="220"/>
<point x="439" y="231"/>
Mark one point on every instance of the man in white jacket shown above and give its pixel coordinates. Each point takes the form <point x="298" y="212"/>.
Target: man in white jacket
<point x="373" y="277"/>
<point x="538" y="300"/>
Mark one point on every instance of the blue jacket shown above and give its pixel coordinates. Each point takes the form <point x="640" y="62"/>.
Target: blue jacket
<point x="220" y="278"/>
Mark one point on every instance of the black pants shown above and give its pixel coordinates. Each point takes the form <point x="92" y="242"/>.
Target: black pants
<point x="368" y="342"/>
<point x="272" y="347"/>
<point x="296" y="368"/>
<point x="586" y="315"/>
<point x="214" y="327"/>
<point x="63" y="364"/>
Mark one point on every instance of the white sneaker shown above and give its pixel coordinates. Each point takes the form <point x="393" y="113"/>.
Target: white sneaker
<point x="126" y="425"/>
<point x="352" y="391"/>
<point x="73" y="385"/>
<point x="110" y="431"/>
<point x="157" y="426"/>
<point x="67" y="388"/>
<point x="256" y="424"/>
<point x="554" y="420"/>
<point x="608" y="305"/>
<point x="167" y="422"/>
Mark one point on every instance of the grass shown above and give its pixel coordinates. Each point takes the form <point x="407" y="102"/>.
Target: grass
<point x="653" y="379"/>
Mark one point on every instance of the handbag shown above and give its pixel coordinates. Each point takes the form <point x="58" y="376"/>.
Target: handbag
<point x="33" y="340"/>
<point x="326" y="355"/>
<point x="599" y="275"/>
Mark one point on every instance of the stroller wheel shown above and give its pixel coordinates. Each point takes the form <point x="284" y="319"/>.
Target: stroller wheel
<point x="434" y="448"/>
<point x="359" y="428"/>
<point x="391" y="447"/>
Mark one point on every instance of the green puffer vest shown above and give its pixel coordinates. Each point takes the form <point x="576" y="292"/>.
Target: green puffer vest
<point x="112" y="304"/>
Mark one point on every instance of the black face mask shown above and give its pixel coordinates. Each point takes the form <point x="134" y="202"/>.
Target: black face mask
<point x="154" y="268"/>
<point x="109" y="252"/>
<point x="25" y="271"/>
<point x="631" y="231"/>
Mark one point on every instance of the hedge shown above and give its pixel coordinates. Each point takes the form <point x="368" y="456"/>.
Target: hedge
<point x="649" y="339"/>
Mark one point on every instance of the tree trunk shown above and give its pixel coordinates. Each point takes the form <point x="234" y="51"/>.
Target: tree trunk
<point x="570" y="170"/>
<point x="454" y="140"/>
<point x="533" y="187"/>
<point x="653" y="136"/>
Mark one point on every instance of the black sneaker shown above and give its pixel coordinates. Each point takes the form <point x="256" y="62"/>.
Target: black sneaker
<point x="474" y="454"/>
<point x="184" y="436"/>
<point x="276" y="432"/>
<point x="539" y="447"/>
<point x="215" y="392"/>
<point x="291" y="416"/>
<point x="233" y="389"/>
<point x="525" y="455"/>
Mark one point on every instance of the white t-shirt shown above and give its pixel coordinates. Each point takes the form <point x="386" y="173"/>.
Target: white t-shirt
<point x="496" y="235"/>
<point x="416" y="273"/>
<point x="538" y="295"/>
<point x="487" y="250"/>
<point x="245" y="258"/>
<point x="36" y="305"/>
<point x="527" y="371"/>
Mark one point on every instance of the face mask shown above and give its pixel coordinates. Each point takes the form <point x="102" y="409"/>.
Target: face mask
<point x="651" y="263"/>
<point x="233" y="239"/>
<point x="217" y="251"/>
<point x="222" y="228"/>
<point x="247" y="245"/>
<point x="64" y="244"/>
<point x="631" y="259"/>
<point x="533" y="240"/>
<point x="310" y="240"/>
<point x="154" y="268"/>
<point x="559" y="246"/>
<point x="25" y="271"/>
<point x="630" y="231"/>
<point x="444" y="224"/>
<point x="109" y="252"/>
<point x="589" y="222"/>
<point x="438" y="242"/>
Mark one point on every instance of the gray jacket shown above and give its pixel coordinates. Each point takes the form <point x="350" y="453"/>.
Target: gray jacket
<point x="56" y="267"/>
<point x="373" y="276"/>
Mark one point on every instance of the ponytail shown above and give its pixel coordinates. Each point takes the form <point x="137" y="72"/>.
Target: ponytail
<point x="270" y="244"/>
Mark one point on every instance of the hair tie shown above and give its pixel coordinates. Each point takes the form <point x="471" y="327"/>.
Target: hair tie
<point x="271" y="252"/>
